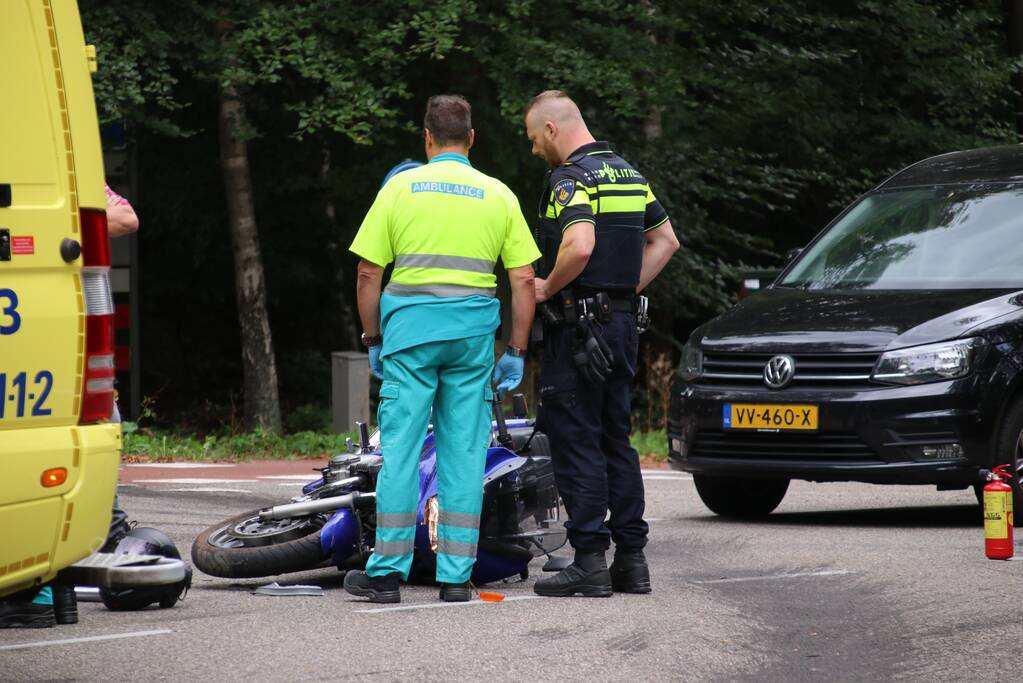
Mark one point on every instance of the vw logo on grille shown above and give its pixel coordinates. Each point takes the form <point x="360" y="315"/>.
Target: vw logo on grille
<point x="779" y="372"/>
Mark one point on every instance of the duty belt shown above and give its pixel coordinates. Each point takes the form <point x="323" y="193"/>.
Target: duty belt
<point x="567" y="308"/>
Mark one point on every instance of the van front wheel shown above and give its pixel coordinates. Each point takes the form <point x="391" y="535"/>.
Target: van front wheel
<point x="1010" y="442"/>
<point x="741" y="497"/>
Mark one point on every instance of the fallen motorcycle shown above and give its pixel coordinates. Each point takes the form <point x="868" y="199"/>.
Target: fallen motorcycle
<point x="333" y="522"/>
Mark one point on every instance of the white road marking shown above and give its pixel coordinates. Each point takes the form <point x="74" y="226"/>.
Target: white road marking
<point x="439" y="605"/>
<point x="656" y="477"/>
<point x="291" y="477"/>
<point x="774" y="577"/>
<point x="194" y="481"/>
<point x="208" y="489"/>
<point x="87" y="639"/>
<point x="179" y="465"/>
<point x="290" y="484"/>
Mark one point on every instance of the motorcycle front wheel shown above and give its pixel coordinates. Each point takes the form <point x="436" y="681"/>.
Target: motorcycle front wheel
<point x="246" y="547"/>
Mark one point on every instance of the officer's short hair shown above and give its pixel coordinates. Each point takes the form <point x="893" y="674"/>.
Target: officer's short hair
<point x="545" y="95"/>
<point x="448" y="118"/>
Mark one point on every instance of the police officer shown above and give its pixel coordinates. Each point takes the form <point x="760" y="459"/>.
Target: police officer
<point x="604" y="237"/>
<point x="431" y="339"/>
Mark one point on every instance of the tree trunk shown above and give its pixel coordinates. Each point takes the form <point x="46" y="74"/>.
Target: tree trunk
<point x="653" y="125"/>
<point x="1013" y="11"/>
<point x="262" y="404"/>
<point x="347" y="317"/>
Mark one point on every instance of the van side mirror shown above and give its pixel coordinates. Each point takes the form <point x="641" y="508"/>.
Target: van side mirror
<point x="791" y="254"/>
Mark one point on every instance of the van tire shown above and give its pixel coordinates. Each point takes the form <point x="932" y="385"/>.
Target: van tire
<point x="289" y="555"/>
<point x="740" y="497"/>
<point x="1009" y="433"/>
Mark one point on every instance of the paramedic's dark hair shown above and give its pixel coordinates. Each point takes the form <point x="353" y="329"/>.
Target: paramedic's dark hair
<point x="449" y="119"/>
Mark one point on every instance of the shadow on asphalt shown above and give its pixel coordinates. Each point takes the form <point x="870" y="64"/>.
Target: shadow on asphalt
<point x="326" y="578"/>
<point x="931" y="517"/>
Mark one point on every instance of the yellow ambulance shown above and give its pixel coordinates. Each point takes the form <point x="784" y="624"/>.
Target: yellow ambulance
<point x="59" y="450"/>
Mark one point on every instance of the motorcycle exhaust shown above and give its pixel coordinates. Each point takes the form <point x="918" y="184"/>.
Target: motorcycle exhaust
<point x="311" y="507"/>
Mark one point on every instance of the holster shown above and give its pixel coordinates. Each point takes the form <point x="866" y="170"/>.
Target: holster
<point x="558" y="311"/>
<point x="590" y="353"/>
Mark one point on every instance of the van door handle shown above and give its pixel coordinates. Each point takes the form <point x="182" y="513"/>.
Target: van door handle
<point x="70" y="249"/>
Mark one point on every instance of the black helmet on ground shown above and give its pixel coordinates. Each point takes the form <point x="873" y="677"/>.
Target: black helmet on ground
<point x="147" y="541"/>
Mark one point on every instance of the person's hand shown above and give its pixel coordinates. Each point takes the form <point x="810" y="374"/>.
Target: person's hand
<point x="541" y="290"/>
<point x="508" y="373"/>
<point x="376" y="366"/>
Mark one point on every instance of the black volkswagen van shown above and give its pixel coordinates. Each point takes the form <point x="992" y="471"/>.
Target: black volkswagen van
<point x="890" y="350"/>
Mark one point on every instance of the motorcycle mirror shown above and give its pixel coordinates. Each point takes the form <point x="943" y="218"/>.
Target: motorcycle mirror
<point x="519" y="407"/>
<point x="363" y="436"/>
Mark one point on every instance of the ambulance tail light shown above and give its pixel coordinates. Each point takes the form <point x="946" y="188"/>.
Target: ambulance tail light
<point x="98" y="380"/>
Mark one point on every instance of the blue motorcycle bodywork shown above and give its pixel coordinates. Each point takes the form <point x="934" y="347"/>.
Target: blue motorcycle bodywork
<point x="340" y="536"/>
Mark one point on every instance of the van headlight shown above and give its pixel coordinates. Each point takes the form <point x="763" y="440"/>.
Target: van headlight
<point x="930" y="363"/>
<point x="691" y="366"/>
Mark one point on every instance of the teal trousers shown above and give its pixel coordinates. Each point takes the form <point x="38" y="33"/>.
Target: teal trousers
<point x="451" y="378"/>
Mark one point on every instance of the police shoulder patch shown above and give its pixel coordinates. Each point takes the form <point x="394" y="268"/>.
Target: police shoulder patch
<point x="564" y="191"/>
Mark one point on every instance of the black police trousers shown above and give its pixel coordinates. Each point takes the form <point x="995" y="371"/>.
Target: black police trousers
<point x="595" y="466"/>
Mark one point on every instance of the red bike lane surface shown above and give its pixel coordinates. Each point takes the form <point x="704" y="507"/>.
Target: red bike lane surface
<point x="152" y="472"/>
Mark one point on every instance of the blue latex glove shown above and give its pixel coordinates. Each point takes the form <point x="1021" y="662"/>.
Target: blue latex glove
<point x="376" y="366"/>
<point x="508" y="373"/>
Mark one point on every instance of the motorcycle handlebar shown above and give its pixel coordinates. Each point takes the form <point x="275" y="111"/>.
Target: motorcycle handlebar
<point x="310" y="507"/>
<point x="503" y="437"/>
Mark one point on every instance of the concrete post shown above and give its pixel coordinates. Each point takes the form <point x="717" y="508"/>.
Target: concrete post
<point x="349" y="371"/>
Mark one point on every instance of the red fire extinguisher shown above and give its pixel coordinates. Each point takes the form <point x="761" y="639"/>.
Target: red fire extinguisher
<point x="998" y="515"/>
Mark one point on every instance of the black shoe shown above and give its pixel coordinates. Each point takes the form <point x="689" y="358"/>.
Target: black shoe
<point x="65" y="604"/>
<point x="376" y="588"/>
<point x="24" y="614"/>
<point x="587" y="576"/>
<point x="455" y="592"/>
<point x="629" y="571"/>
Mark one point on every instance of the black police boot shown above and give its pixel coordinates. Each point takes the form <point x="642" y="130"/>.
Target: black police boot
<point x="65" y="604"/>
<point x="629" y="571"/>
<point x="18" y="611"/>
<point x="587" y="576"/>
<point x="376" y="588"/>
<point x="455" y="592"/>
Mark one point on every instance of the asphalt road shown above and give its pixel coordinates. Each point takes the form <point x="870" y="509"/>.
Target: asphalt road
<point x="844" y="582"/>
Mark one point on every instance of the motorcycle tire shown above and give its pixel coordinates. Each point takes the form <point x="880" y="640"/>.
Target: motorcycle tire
<point x="287" y="546"/>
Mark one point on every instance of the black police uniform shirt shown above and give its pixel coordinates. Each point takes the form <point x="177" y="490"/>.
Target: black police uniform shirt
<point x="596" y="185"/>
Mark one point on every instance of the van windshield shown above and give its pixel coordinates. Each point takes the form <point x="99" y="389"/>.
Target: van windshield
<point x="921" y="238"/>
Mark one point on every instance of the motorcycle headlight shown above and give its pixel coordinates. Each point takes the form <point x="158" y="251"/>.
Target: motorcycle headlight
<point x="691" y="366"/>
<point x="930" y="363"/>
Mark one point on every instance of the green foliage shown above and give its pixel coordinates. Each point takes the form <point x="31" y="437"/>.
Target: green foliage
<point x="333" y="65"/>
<point x="756" y="123"/>
<point x="308" y="418"/>
<point x="652" y="444"/>
<point x="160" y="445"/>
<point x="165" y="445"/>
